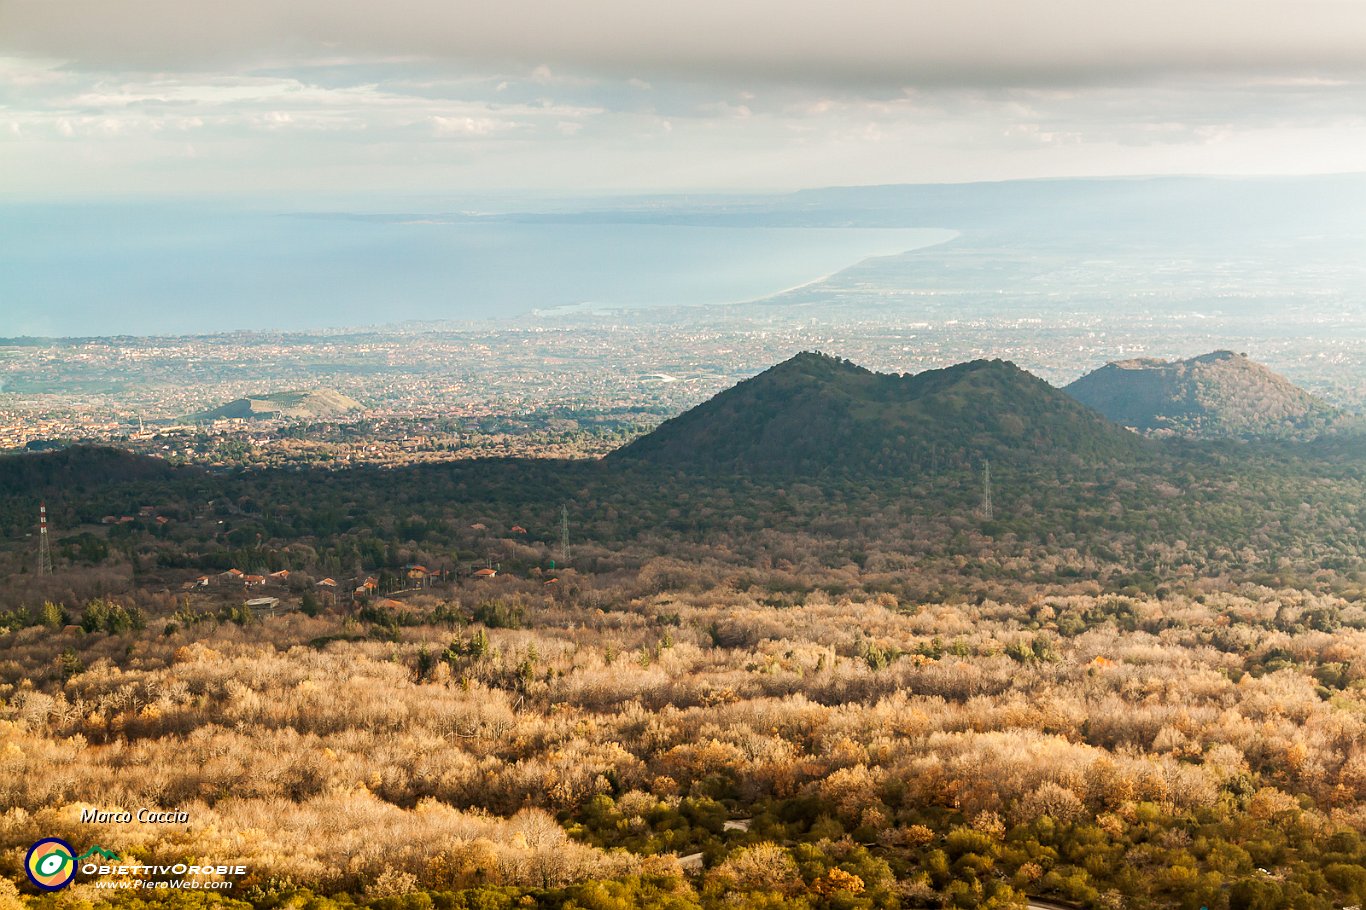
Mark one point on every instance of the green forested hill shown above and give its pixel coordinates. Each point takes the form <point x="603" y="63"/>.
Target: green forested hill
<point x="816" y="414"/>
<point x="80" y="469"/>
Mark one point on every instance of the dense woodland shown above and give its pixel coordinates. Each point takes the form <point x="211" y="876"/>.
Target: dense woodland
<point x="502" y="746"/>
<point x="1279" y="514"/>
<point x="1140" y="683"/>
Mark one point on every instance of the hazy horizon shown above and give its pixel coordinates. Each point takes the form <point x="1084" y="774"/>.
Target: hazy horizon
<point x="196" y="269"/>
<point x="761" y="118"/>
<point x="194" y="266"/>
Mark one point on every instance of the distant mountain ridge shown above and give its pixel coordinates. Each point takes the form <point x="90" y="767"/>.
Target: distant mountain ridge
<point x="1220" y="394"/>
<point x="312" y="403"/>
<point x="815" y="413"/>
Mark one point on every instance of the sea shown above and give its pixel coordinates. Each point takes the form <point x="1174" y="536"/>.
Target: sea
<point x="80" y="270"/>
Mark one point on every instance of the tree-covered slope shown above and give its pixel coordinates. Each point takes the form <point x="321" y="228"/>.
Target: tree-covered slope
<point x="814" y="414"/>
<point x="81" y="468"/>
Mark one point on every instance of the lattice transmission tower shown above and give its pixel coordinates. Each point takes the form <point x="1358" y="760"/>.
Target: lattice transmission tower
<point x="44" y="545"/>
<point x="987" y="513"/>
<point x="564" y="535"/>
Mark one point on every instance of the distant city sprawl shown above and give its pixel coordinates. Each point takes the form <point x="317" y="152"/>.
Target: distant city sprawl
<point x="566" y="386"/>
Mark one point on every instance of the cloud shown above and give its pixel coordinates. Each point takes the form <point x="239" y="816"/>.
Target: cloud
<point x="643" y="94"/>
<point x="854" y="42"/>
<point x="469" y="126"/>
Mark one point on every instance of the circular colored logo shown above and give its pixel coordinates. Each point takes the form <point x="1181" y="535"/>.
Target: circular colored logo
<point x="51" y="864"/>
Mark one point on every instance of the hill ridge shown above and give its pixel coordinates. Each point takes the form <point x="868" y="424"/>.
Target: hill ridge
<point x="1213" y="395"/>
<point x="305" y="403"/>
<point x="816" y="413"/>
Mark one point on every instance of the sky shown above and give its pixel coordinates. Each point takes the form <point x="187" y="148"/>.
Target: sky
<point x="104" y="98"/>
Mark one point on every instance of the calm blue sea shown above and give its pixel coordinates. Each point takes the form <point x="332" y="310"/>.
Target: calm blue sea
<point x="169" y="269"/>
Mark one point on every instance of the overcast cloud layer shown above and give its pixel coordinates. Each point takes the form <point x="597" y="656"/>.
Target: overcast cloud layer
<point x="885" y="42"/>
<point x="116" y="96"/>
